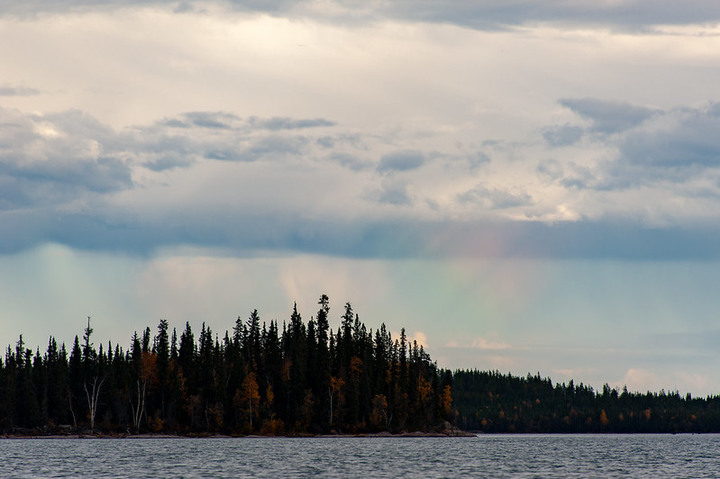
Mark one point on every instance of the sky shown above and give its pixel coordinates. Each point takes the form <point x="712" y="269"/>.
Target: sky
<point x="524" y="186"/>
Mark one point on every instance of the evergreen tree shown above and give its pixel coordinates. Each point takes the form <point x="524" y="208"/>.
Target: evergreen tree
<point x="303" y="378"/>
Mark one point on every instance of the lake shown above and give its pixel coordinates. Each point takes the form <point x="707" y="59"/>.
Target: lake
<point x="523" y="456"/>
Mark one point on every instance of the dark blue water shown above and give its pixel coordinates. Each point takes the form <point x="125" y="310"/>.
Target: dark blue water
<point x="524" y="456"/>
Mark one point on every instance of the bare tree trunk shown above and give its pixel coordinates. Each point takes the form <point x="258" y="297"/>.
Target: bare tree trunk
<point x="71" y="410"/>
<point x="207" y="417"/>
<point x="139" y="411"/>
<point x="92" y="398"/>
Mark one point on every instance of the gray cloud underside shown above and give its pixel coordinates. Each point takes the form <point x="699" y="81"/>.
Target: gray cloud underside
<point x="632" y="14"/>
<point x="179" y="142"/>
<point x="61" y="174"/>
<point x="18" y="91"/>
<point x="54" y="167"/>
<point x="61" y="157"/>
<point x="488" y="14"/>
<point x="494" y="198"/>
<point x="401" y="161"/>
<point x="225" y="121"/>
<point x="250" y="234"/>
<point x="609" y="117"/>
<point x="674" y="145"/>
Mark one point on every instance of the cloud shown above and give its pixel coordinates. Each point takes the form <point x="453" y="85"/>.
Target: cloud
<point x="168" y="162"/>
<point x="394" y="193"/>
<point x="216" y="120"/>
<point x="269" y="147"/>
<point x="412" y="337"/>
<point x="284" y="123"/>
<point x="495" y="14"/>
<point x="642" y="380"/>
<point x="401" y="161"/>
<point x="646" y="147"/>
<point x="18" y="91"/>
<point x="477" y="159"/>
<point x="184" y="7"/>
<point x="638" y="15"/>
<point x="247" y="227"/>
<point x="550" y="169"/>
<point x="69" y="179"/>
<point x="494" y="198"/>
<point x="351" y="162"/>
<point x="101" y="175"/>
<point x="223" y="136"/>
<point x="563" y="135"/>
<point x="606" y="117"/>
<point x="57" y="158"/>
<point x="222" y="120"/>
<point x="682" y="138"/>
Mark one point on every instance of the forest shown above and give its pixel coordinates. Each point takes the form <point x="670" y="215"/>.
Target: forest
<point x="491" y="402"/>
<point x="304" y="378"/>
<point x="260" y="378"/>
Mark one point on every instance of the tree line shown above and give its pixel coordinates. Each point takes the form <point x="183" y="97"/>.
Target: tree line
<point x="305" y="378"/>
<point x="492" y="402"/>
<point x="259" y="378"/>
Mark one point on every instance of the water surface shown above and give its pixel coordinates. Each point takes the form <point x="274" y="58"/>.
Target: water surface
<point x="502" y="456"/>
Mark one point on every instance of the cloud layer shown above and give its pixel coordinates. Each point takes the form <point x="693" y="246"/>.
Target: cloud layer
<point x="215" y="179"/>
<point x="487" y="14"/>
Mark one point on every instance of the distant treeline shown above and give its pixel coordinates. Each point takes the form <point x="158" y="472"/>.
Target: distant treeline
<point x="495" y="403"/>
<point x="305" y="378"/>
<point x="264" y="378"/>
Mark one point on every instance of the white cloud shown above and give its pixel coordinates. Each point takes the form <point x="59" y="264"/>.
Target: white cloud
<point x="420" y="337"/>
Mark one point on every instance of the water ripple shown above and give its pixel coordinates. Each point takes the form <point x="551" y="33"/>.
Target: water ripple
<point x="501" y="456"/>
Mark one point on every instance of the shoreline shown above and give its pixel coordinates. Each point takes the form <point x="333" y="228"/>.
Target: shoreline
<point x="414" y="434"/>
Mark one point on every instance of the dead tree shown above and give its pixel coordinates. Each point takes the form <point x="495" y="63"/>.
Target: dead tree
<point x="92" y="398"/>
